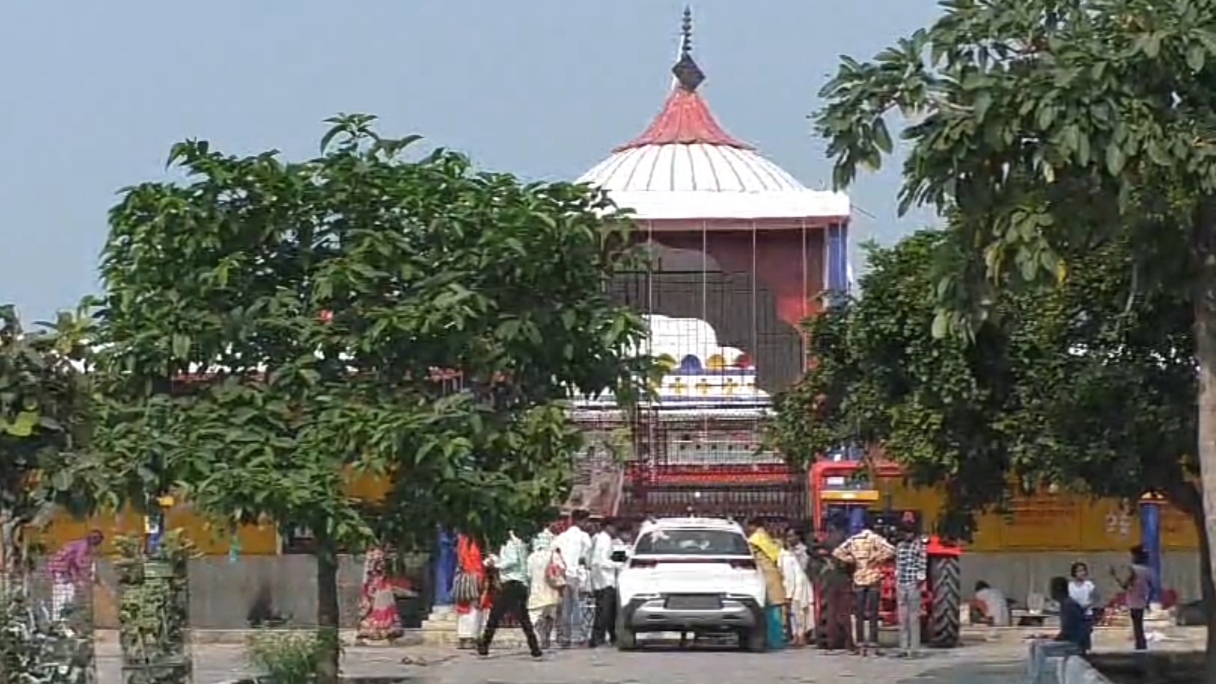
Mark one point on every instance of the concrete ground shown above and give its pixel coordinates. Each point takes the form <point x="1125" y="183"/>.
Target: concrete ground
<point x="986" y="664"/>
<point x="997" y="659"/>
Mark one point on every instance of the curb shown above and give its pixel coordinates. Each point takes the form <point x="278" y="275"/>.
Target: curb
<point x="1077" y="670"/>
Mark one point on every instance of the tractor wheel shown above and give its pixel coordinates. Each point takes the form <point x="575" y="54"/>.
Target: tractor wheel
<point x="945" y="583"/>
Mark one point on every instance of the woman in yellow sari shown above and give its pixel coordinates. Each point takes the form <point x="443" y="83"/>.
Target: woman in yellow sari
<point x="767" y="552"/>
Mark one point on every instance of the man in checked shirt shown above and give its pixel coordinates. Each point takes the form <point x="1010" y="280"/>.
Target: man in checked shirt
<point x="910" y="566"/>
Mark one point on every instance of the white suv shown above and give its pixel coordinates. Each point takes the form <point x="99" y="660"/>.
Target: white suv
<point x="691" y="575"/>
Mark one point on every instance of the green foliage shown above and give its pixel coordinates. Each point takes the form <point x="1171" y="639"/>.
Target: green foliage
<point x="1071" y="387"/>
<point x="271" y="329"/>
<point x="43" y="413"/>
<point x="33" y="652"/>
<point x="285" y="657"/>
<point x="154" y="609"/>
<point x="1044" y="127"/>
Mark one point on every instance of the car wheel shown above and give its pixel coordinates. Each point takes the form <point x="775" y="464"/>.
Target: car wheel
<point x="753" y="640"/>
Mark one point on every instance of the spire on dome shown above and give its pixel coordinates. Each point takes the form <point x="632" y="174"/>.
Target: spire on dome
<point x="688" y="74"/>
<point x="685" y="118"/>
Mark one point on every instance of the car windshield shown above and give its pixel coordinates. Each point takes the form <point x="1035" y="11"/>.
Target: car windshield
<point x="692" y="542"/>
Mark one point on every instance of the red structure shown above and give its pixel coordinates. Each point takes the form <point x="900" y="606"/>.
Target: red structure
<point x="741" y="245"/>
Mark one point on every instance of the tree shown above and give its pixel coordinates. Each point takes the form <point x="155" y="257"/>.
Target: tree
<point x="272" y="329"/>
<point x="1068" y="388"/>
<point x="44" y="407"/>
<point x="1047" y="126"/>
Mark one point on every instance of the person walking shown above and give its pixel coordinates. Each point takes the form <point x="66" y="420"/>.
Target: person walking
<point x="574" y="544"/>
<point x="603" y="585"/>
<point x="72" y="574"/>
<point x="868" y="553"/>
<point x="469" y="592"/>
<point x="911" y="564"/>
<point x="511" y="595"/>
<point x="546" y="578"/>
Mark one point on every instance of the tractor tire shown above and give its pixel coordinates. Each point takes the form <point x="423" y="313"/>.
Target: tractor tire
<point x="945" y="583"/>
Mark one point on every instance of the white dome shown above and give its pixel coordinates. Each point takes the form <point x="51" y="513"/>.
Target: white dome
<point x="685" y="166"/>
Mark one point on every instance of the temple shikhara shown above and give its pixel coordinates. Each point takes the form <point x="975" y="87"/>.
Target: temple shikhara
<point x="743" y="254"/>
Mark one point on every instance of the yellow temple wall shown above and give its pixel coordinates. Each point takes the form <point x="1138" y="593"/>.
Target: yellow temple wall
<point x="1054" y="523"/>
<point x="209" y="538"/>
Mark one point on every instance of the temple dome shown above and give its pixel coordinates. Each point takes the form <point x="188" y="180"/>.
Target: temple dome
<point x="686" y="166"/>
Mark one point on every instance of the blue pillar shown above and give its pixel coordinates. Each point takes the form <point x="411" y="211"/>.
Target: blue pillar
<point x="837" y="266"/>
<point x="1150" y="538"/>
<point x="445" y="567"/>
<point x="857" y="519"/>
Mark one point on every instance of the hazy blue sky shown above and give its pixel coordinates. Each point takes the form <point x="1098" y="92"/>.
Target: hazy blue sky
<point x="92" y="94"/>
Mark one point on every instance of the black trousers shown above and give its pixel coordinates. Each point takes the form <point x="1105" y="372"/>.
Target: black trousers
<point x="1137" y="615"/>
<point x="603" y="627"/>
<point x="512" y="598"/>
<point x="865" y="605"/>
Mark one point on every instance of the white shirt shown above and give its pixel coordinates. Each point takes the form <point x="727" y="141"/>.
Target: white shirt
<point x="1083" y="593"/>
<point x="996" y="608"/>
<point x="575" y="545"/>
<point x="603" y="570"/>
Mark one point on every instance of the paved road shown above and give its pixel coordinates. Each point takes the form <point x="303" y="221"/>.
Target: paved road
<point x="980" y="664"/>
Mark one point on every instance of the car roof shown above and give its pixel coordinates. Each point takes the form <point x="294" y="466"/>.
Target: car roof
<point x="691" y="523"/>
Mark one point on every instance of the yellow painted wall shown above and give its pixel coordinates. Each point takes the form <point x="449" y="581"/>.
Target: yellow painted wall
<point x="1054" y="522"/>
<point x="255" y="540"/>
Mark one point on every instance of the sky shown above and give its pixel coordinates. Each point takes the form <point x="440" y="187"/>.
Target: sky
<point x="94" y="94"/>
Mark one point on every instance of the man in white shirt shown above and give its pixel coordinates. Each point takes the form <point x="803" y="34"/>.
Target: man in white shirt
<point x="575" y="547"/>
<point x="603" y="585"/>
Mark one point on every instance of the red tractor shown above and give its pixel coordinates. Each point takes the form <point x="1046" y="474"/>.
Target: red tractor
<point x="843" y="491"/>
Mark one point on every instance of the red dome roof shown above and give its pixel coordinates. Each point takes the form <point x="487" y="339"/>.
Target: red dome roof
<point x="685" y="119"/>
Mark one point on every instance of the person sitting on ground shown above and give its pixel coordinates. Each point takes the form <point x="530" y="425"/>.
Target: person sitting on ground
<point x="990" y="606"/>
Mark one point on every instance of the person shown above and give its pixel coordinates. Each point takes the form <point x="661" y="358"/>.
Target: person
<point x="835" y="585"/>
<point x="1074" y="638"/>
<point x="603" y="585"/>
<point x="469" y="591"/>
<point x="71" y="571"/>
<point x="991" y="605"/>
<point x="911" y="564"/>
<point x="868" y="553"/>
<point x="798" y="592"/>
<point x="768" y="555"/>
<point x="1136" y="586"/>
<point x="378" y="616"/>
<point x="1083" y="592"/>
<point x="544" y="593"/>
<point x="797" y="545"/>
<point x="511" y="595"/>
<point x="574" y="545"/>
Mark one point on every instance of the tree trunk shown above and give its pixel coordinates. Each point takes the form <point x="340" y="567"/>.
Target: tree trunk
<point x="1205" y="356"/>
<point x="1208" y="593"/>
<point x="327" y="611"/>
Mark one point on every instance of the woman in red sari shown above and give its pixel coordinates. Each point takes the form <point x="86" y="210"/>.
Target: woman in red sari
<point x="378" y="616"/>
<point x="470" y="592"/>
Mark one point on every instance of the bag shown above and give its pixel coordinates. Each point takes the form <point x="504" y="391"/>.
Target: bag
<point x="466" y="588"/>
<point x="555" y="572"/>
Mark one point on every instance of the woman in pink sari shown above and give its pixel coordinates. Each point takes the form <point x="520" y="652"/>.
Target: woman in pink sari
<point x="378" y="616"/>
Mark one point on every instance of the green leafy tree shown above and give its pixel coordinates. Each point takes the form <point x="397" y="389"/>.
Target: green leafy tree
<point x="1044" y="128"/>
<point x="1068" y="387"/>
<point x="273" y="329"/>
<point x="44" y="408"/>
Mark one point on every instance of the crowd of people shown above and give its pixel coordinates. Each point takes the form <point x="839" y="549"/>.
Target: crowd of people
<point x="560" y="588"/>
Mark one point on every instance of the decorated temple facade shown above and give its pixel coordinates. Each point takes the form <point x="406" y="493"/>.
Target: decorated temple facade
<point x="743" y="253"/>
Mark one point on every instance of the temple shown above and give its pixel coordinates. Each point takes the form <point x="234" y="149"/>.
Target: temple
<point x="743" y="253"/>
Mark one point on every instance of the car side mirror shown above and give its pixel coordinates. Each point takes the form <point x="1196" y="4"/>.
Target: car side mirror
<point x="619" y="556"/>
